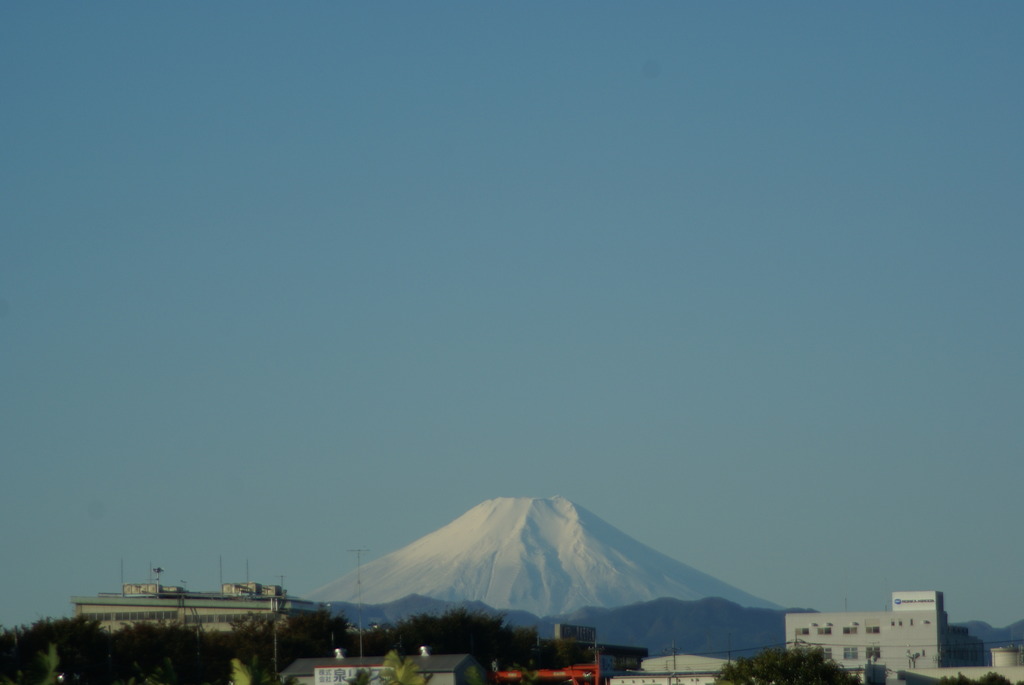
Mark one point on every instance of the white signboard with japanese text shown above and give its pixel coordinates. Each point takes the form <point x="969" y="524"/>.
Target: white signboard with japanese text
<point x="341" y="675"/>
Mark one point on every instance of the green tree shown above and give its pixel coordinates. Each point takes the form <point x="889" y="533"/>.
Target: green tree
<point x="786" y="667"/>
<point x="148" y="650"/>
<point x="519" y="645"/>
<point x="457" y="631"/>
<point x="280" y="640"/>
<point x="253" y="639"/>
<point x="566" y="652"/>
<point x="993" y="678"/>
<point x="83" y="646"/>
<point x="313" y="634"/>
<point x="958" y="679"/>
<point x="42" y="670"/>
<point x="475" y="676"/>
<point x="990" y="678"/>
<point x="164" y="674"/>
<point x="399" y="670"/>
<point x="252" y="673"/>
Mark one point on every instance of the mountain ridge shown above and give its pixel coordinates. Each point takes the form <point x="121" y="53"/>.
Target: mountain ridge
<point x="710" y="627"/>
<point x="545" y="556"/>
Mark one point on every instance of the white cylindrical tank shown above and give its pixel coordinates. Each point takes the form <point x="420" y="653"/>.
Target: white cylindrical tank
<point x="1006" y="656"/>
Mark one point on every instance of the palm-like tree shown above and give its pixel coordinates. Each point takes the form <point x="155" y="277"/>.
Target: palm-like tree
<point x="401" y="671"/>
<point x="164" y="674"/>
<point x="43" y="670"/>
<point x="252" y="674"/>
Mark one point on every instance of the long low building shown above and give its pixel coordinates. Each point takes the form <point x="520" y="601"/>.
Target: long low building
<point x="440" y="669"/>
<point x="152" y="602"/>
<point x="685" y="669"/>
<point x="1007" y="662"/>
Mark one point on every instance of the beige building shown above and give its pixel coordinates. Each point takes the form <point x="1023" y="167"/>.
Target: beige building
<point x="674" y="669"/>
<point x="152" y="602"/>
<point x="914" y="634"/>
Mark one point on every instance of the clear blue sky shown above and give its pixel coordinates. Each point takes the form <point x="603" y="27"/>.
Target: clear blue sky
<point x="744" y="279"/>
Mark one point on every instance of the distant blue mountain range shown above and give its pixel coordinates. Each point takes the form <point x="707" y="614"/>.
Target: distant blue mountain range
<point x="710" y="626"/>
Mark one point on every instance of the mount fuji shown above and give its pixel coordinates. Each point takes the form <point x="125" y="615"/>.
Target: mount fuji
<point x="544" y="556"/>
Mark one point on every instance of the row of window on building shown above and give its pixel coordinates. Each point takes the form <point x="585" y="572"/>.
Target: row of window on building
<point x="215" y="618"/>
<point x="852" y="630"/>
<point x="165" y="616"/>
<point x="134" y="616"/>
<point x="853" y="653"/>
<point x="847" y="630"/>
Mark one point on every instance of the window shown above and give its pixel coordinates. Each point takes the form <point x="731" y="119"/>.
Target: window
<point x="849" y="630"/>
<point x="850" y="653"/>
<point x="824" y="631"/>
<point x="827" y="652"/>
<point x="873" y="652"/>
<point x="803" y="631"/>
<point x="872" y="629"/>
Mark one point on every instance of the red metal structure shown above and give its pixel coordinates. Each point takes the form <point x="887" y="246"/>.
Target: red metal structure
<point x="577" y="674"/>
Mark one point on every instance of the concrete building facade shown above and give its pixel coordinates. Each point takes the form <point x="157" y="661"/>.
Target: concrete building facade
<point x="913" y="634"/>
<point x="152" y="602"/>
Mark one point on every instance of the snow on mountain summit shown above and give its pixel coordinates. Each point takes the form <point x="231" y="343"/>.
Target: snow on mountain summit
<point x="545" y="556"/>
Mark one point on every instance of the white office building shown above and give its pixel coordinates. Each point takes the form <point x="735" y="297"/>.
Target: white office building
<point x="913" y="634"/>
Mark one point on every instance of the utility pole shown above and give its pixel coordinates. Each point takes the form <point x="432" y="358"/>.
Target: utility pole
<point x="359" y="593"/>
<point x="274" y="618"/>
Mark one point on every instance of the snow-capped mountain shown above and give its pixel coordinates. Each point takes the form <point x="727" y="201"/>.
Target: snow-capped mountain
<point x="545" y="556"/>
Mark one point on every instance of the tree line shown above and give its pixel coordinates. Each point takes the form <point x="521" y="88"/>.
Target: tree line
<point x="990" y="678"/>
<point x="78" y="651"/>
<point x="810" y="666"/>
<point x="142" y="653"/>
<point x="92" y="655"/>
